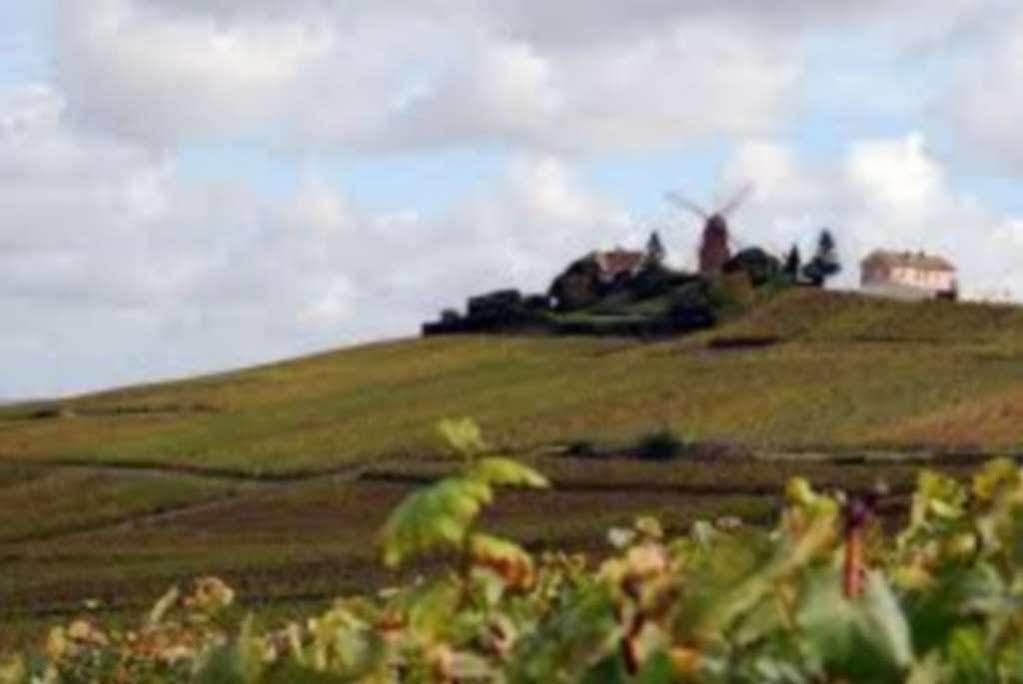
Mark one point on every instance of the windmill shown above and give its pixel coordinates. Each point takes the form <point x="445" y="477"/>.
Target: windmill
<point x="716" y="244"/>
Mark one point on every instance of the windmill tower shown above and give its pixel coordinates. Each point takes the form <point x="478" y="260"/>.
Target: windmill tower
<point x="716" y="244"/>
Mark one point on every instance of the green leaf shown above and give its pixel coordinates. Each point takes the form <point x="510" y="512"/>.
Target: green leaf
<point x="236" y="663"/>
<point x="583" y="631"/>
<point x="499" y="471"/>
<point x="656" y="670"/>
<point x="439" y="515"/>
<point x="611" y="670"/>
<point x="865" y="639"/>
<point x="937" y="610"/>
<point x="967" y="657"/>
<point x="343" y="640"/>
<point x="885" y="621"/>
<point x="291" y="673"/>
<point x="430" y="608"/>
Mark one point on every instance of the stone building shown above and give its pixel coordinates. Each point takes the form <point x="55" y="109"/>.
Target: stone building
<point x="908" y="275"/>
<point x="714" y="249"/>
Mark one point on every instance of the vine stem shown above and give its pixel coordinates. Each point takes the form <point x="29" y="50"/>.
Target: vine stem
<point x="857" y="512"/>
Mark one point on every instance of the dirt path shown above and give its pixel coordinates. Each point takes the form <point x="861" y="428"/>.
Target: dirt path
<point x="158" y="469"/>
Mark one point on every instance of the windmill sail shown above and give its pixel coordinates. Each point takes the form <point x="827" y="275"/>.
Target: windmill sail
<point x="684" y="203"/>
<point x="716" y="243"/>
<point x="737" y="200"/>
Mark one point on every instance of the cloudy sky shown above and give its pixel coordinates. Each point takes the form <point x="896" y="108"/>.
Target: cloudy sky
<point x="190" y="185"/>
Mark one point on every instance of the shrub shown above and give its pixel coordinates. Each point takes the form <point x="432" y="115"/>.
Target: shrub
<point x="691" y="307"/>
<point x="733" y="293"/>
<point x="663" y="445"/>
<point x="657" y="280"/>
<point x="537" y="302"/>
<point x="582" y="448"/>
<point x="760" y="266"/>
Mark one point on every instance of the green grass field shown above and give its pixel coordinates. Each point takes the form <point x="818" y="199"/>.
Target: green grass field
<point x="278" y="476"/>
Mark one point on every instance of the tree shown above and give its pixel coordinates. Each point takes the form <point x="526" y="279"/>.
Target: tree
<point x="793" y="264"/>
<point x="758" y="264"/>
<point x="824" y="263"/>
<point x="655" y="248"/>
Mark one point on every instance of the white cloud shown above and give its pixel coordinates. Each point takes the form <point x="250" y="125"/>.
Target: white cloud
<point x="897" y="176"/>
<point x="377" y="76"/>
<point x="132" y="69"/>
<point x="986" y="101"/>
<point x="889" y="193"/>
<point x="555" y="76"/>
<point x="116" y="269"/>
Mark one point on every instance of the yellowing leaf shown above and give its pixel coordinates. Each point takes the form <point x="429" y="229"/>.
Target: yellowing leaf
<point x="995" y="475"/>
<point x="942" y="493"/>
<point x="13" y="670"/>
<point x="649" y="527"/>
<point x="505" y="471"/>
<point x="463" y="436"/>
<point x="507" y="559"/>
<point x="799" y="491"/>
<point x="165" y="603"/>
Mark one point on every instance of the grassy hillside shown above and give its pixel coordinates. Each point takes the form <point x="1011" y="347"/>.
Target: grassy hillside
<point x="116" y="495"/>
<point x="844" y="318"/>
<point x="846" y="371"/>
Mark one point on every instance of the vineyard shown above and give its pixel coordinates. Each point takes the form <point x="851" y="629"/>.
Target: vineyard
<point x="275" y="478"/>
<point x="826" y="591"/>
<point x="831" y="369"/>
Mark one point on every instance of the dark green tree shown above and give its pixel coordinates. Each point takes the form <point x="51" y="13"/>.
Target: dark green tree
<point x="793" y="264"/>
<point x="824" y="263"/>
<point x="758" y="264"/>
<point x="655" y="248"/>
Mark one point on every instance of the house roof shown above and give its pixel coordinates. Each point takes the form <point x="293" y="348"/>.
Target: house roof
<point x="619" y="261"/>
<point x="917" y="260"/>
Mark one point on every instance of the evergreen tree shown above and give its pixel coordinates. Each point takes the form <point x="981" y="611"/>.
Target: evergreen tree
<point x="793" y="263"/>
<point x="824" y="263"/>
<point x="655" y="248"/>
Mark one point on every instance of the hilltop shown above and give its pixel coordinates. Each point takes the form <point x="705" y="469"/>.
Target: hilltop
<point x="277" y="477"/>
<point x="809" y="368"/>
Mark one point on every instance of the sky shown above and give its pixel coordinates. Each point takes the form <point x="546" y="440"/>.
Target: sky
<point x="195" y="185"/>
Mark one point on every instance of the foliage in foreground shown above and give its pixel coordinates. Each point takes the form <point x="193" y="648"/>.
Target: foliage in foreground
<point x="825" y="596"/>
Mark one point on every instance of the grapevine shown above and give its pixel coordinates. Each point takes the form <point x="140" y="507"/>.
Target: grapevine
<point x="824" y="595"/>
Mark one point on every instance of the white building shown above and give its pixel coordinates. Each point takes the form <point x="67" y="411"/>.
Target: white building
<point x="908" y="275"/>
